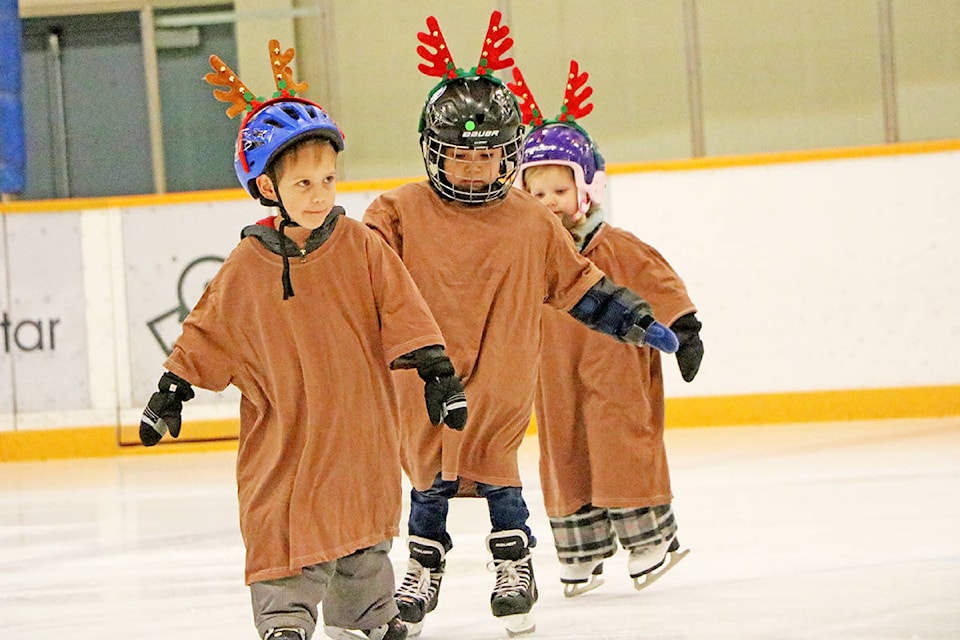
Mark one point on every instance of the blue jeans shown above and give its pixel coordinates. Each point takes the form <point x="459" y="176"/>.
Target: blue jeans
<point x="428" y="510"/>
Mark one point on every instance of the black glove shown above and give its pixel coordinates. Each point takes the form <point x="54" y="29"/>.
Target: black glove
<point x="690" y="352"/>
<point x="446" y="401"/>
<point x="163" y="409"/>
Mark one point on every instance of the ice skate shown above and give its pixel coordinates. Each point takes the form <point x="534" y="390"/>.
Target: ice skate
<point x="420" y="590"/>
<point x="515" y="591"/>
<point x="581" y="577"/>
<point x="393" y="630"/>
<point x="285" y="633"/>
<point x="648" y="563"/>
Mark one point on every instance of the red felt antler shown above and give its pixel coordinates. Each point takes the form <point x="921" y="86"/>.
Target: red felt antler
<point x="529" y="108"/>
<point x="573" y="102"/>
<point x="495" y="45"/>
<point x="441" y="63"/>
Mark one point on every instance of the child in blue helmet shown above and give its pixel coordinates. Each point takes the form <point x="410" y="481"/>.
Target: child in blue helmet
<point x="600" y="405"/>
<point x="487" y="258"/>
<point x="307" y="317"/>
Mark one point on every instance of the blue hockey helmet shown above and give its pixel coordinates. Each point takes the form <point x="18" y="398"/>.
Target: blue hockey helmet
<point x="275" y="126"/>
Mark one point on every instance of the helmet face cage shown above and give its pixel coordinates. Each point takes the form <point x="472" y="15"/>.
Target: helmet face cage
<point x="568" y="145"/>
<point x="436" y="152"/>
<point x="471" y="114"/>
<point x="274" y="127"/>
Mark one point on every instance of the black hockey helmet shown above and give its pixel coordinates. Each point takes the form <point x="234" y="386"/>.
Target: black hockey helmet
<point x="473" y="113"/>
<point x="470" y="109"/>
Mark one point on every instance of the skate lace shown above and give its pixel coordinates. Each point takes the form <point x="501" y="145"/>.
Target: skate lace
<point x="513" y="576"/>
<point x="416" y="582"/>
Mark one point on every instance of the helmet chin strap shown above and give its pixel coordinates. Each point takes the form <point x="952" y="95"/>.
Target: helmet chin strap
<point x="582" y="208"/>
<point x="285" y="221"/>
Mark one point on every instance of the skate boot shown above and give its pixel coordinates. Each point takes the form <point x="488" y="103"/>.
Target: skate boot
<point x="649" y="562"/>
<point x="285" y="633"/>
<point x="515" y="591"/>
<point x="580" y="577"/>
<point x="393" y="630"/>
<point x="420" y="589"/>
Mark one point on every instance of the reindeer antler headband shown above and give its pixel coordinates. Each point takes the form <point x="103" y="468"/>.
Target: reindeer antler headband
<point x="237" y="93"/>
<point x="496" y="44"/>
<point x="574" y="98"/>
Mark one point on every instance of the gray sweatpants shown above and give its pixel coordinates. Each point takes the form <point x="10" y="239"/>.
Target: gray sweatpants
<point x="356" y="592"/>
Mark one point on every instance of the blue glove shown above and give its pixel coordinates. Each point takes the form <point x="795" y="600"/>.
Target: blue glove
<point x="660" y="338"/>
<point x="619" y="312"/>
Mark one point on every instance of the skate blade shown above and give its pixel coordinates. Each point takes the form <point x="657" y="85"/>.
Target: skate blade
<point x="519" y="624"/>
<point x="644" y="580"/>
<point x="574" y="589"/>
<point x="339" y="633"/>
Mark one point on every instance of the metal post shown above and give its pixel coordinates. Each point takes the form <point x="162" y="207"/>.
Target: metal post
<point x="888" y="72"/>
<point x="691" y="47"/>
<point x="153" y="99"/>
<point x="58" y="116"/>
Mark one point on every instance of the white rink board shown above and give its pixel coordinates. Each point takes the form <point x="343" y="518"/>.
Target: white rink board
<point x="811" y="276"/>
<point x="44" y="339"/>
<point x="808" y="276"/>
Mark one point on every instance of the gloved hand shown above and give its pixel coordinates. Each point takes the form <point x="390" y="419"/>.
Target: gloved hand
<point x="660" y="337"/>
<point x="621" y="313"/>
<point x="446" y="401"/>
<point x="164" y="408"/>
<point x="690" y="352"/>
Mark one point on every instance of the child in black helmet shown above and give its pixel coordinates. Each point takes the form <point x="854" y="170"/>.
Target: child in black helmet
<point x="486" y="258"/>
<point x="312" y="359"/>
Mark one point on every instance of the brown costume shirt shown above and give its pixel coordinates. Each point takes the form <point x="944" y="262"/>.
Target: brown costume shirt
<point x="600" y="409"/>
<point x="318" y="470"/>
<point x="486" y="272"/>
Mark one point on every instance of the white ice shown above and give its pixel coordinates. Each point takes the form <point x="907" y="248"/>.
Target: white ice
<point x="843" y="531"/>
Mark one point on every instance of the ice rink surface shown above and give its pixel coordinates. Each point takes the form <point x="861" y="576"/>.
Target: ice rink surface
<point x="840" y="531"/>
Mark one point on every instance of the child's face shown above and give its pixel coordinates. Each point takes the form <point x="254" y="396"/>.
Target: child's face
<point x="472" y="169"/>
<point x="307" y="182"/>
<point x="555" y="187"/>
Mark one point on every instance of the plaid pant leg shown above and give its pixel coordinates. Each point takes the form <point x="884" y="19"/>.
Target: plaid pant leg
<point x="644" y="526"/>
<point x="583" y="536"/>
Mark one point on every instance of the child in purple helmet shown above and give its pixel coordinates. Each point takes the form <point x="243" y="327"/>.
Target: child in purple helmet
<point x="600" y="405"/>
<point x="312" y="359"/>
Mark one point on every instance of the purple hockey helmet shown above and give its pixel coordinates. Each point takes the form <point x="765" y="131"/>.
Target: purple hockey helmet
<point x="567" y="144"/>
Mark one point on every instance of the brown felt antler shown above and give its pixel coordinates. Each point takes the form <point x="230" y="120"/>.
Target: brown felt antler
<point x="529" y="109"/>
<point x="496" y="44"/>
<point x="237" y="94"/>
<point x="575" y="95"/>
<point x="441" y="64"/>
<point x="282" y="74"/>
